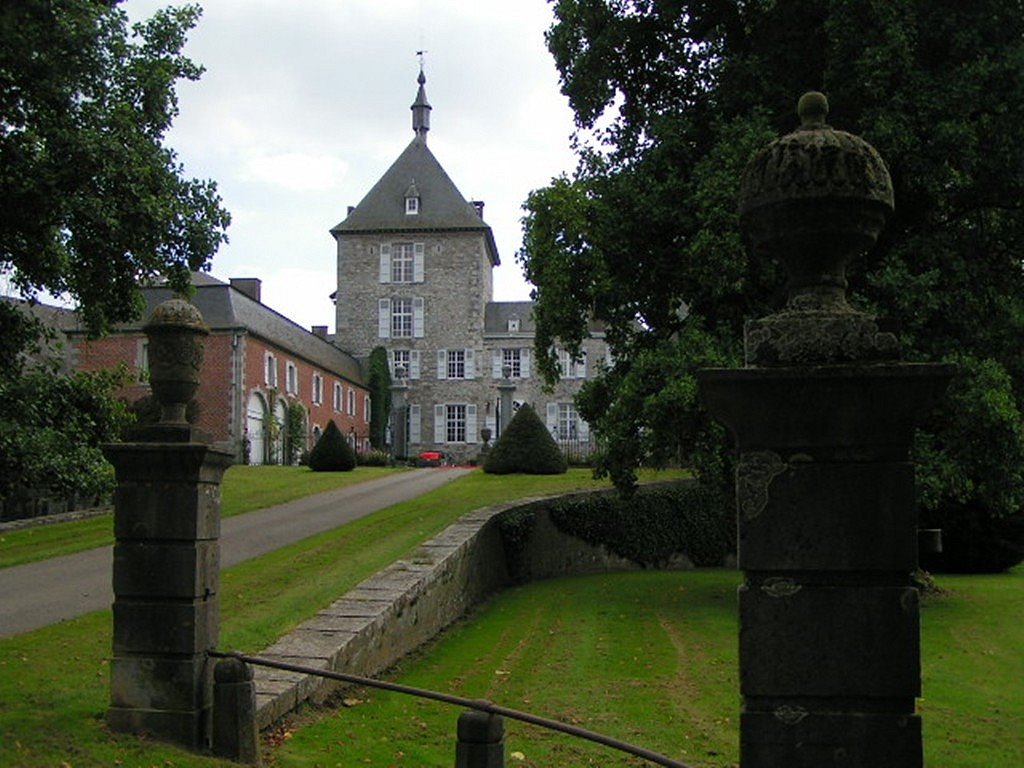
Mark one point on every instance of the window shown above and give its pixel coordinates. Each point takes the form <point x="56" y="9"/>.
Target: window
<point x="567" y="421"/>
<point x="142" y="361"/>
<point x="337" y="397"/>
<point x="456" y="364"/>
<point x="412" y="206"/>
<point x="366" y="408"/>
<point x="564" y="422"/>
<point x="401" y="318"/>
<point x="402" y="263"/>
<point x="400" y="358"/>
<point x="513" y="324"/>
<point x="455" y="423"/>
<point x="270" y="370"/>
<point x="570" y="367"/>
<point x="318" y="389"/>
<point x="512" y="358"/>
<point x="351" y="402"/>
<point x="291" y="380"/>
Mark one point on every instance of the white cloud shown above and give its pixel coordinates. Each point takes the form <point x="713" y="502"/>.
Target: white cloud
<point x="305" y="104"/>
<point x="296" y="171"/>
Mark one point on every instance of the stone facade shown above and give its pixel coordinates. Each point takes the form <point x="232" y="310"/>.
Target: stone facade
<point x="256" y="364"/>
<point x="415" y="263"/>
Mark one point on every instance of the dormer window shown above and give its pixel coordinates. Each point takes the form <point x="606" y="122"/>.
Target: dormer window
<point x="513" y="324"/>
<point x="412" y="200"/>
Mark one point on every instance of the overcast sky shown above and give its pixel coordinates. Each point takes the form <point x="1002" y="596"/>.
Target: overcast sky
<point x="305" y="104"/>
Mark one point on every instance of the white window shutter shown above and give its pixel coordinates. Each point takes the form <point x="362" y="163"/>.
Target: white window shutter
<point x="470" y="371"/>
<point x="414" y="424"/>
<point x="581" y="367"/>
<point x="384" y="318"/>
<point x="524" y="363"/>
<point x="385" y="262"/>
<point x="496" y="358"/>
<point x="442" y="363"/>
<point x="414" y="364"/>
<point x="439" y="425"/>
<point x="471" y="436"/>
<point x="417" y="317"/>
<point x="417" y="262"/>
<point x="552" y="418"/>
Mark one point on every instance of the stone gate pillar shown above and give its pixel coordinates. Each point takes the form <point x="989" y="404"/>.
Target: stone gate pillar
<point x="166" y="555"/>
<point x="823" y="416"/>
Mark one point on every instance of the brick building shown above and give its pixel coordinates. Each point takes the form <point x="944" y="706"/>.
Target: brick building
<point x="415" y="262"/>
<point x="257" y="363"/>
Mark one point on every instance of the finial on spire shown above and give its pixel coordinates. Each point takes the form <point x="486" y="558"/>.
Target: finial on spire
<point x="421" y="108"/>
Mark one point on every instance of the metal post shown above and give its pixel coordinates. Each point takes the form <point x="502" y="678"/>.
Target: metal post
<point x="235" y="735"/>
<point x="481" y="740"/>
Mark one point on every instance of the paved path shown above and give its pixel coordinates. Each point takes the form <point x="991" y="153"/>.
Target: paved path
<point x="45" y="592"/>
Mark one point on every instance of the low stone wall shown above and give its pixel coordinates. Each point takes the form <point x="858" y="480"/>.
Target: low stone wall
<point x="398" y="609"/>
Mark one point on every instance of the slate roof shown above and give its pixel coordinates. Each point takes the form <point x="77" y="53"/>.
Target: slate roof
<point x="225" y="308"/>
<point x="498" y="313"/>
<point x="442" y="206"/>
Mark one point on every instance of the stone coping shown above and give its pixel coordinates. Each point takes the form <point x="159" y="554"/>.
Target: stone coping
<point x="388" y="615"/>
<point x="396" y="610"/>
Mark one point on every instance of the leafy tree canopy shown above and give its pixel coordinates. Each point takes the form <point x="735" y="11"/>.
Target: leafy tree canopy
<point x="91" y="201"/>
<point x="672" y="97"/>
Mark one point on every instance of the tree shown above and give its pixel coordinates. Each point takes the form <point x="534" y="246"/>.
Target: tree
<point x="91" y="202"/>
<point x="525" y="446"/>
<point x="379" y="384"/>
<point x="671" y="98"/>
<point x="51" y="429"/>
<point x="332" y="453"/>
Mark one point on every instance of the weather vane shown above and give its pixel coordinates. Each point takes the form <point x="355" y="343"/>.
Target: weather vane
<point x="421" y="54"/>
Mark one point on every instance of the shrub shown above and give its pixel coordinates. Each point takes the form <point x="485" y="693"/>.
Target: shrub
<point x="332" y="453"/>
<point x="372" y="458"/>
<point x="525" y="446"/>
<point x="655" y="523"/>
<point x="974" y="540"/>
<point x="970" y="474"/>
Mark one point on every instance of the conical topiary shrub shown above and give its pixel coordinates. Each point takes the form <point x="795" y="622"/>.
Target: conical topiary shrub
<point x="332" y="453"/>
<point x="526" y="446"/>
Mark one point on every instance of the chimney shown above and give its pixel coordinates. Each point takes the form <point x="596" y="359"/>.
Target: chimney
<point x="320" y="331"/>
<point x="250" y="286"/>
<point x="479" y="205"/>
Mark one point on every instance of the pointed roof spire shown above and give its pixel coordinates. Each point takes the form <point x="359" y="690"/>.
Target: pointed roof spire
<point x="421" y="108"/>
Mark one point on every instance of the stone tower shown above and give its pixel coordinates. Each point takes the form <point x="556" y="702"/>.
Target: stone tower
<point x="415" y="262"/>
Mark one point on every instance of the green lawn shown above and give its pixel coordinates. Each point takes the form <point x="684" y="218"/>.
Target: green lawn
<point x="54" y="681"/>
<point x="649" y="657"/>
<point x="245" y="488"/>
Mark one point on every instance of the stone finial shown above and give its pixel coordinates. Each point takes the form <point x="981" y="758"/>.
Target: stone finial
<point x="815" y="199"/>
<point x="176" y="334"/>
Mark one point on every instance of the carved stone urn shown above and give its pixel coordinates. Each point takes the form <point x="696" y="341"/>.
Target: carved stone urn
<point x="815" y="199"/>
<point x="176" y="334"/>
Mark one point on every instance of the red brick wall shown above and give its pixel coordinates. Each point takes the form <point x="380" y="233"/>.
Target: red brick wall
<point x="317" y="415"/>
<point x="215" y="389"/>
